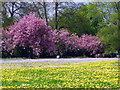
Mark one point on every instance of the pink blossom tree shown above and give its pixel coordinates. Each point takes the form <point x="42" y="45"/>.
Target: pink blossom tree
<point x="31" y="32"/>
<point x="59" y="37"/>
<point x="90" y="43"/>
<point x="66" y="42"/>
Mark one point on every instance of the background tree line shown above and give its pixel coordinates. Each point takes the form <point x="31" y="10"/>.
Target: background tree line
<point x="100" y="19"/>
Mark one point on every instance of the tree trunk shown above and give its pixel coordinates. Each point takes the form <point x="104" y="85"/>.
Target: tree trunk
<point x="56" y="15"/>
<point x="45" y="12"/>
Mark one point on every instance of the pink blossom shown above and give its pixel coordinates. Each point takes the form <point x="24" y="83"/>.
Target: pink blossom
<point x="32" y="32"/>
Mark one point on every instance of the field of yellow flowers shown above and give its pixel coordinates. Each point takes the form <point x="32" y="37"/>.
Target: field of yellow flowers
<point x="102" y="74"/>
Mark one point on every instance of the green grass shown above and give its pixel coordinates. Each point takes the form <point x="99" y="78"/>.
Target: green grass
<point x="103" y="74"/>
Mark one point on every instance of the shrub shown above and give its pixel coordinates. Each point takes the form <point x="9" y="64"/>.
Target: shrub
<point x="90" y="43"/>
<point x="32" y="33"/>
<point x="68" y="43"/>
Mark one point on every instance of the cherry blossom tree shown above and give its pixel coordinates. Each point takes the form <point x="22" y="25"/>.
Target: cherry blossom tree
<point x="66" y="42"/>
<point x="31" y="32"/>
<point x="90" y="43"/>
<point x="63" y="40"/>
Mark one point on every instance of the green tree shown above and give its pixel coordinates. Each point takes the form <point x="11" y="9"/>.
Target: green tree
<point x="85" y="20"/>
<point x="109" y="32"/>
<point x="75" y="22"/>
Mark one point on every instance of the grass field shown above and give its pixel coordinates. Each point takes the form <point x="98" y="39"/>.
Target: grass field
<point x="103" y="74"/>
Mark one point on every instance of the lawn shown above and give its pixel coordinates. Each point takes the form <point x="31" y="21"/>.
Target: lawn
<point x="103" y="74"/>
